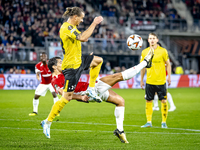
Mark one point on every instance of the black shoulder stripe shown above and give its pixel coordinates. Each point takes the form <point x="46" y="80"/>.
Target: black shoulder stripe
<point x="76" y="33"/>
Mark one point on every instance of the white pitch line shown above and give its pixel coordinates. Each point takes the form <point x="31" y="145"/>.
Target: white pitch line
<point x="93" y="131"/>
<point x="91" y="123"/>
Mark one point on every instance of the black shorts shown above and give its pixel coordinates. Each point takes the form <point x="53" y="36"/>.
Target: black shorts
<point x="72" y="76"/>
<point x="160" y="89"/>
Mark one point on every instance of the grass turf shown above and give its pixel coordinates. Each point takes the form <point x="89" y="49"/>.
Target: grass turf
<point x="91" y="126"/>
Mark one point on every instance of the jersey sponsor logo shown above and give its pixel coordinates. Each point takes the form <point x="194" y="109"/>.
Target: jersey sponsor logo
<point x="70" y="27"/>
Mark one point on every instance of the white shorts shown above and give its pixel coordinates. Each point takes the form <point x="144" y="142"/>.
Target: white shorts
<point x="43" y="88"/>
<point x="102" y="90"/>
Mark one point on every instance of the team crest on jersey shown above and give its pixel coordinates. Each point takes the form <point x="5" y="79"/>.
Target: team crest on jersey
<point x="70" y="27"/>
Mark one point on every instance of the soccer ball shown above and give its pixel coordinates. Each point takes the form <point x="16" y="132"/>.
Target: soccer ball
<point x="134" y="42"/>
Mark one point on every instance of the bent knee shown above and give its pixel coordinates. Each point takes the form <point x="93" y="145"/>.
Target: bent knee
<point x="98" y="60"/>
<point x="164" y="101"/>
<point x="120" y="102"/>
<point x="68" y="96"/>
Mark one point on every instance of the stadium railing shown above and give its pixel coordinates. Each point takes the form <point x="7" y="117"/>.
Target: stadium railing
<point x="21" y="55"/>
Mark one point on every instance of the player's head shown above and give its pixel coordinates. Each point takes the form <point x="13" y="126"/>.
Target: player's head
<point x="55" y="63"/>
<point x="153" y="39"/>
<point x="76" y="14"/>
<point x="43" y="57"/>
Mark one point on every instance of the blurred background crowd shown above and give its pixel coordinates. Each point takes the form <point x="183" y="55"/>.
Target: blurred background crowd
<point x="26" y="24"/>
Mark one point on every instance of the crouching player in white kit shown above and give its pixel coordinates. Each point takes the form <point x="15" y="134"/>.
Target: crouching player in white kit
<point x="102" y="87"/>
<point x="45" y="84"/>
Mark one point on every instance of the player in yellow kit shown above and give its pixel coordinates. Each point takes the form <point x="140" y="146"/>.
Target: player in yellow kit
<point x="156" y="79"/>
<point x="74" y="63"/>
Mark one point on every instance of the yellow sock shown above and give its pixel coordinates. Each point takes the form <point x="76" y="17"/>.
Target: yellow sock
<point x="57" y="107"/>
<point x="164" y="110"/>
<point x="94" y="72"/>
<point x="149" y="111"/>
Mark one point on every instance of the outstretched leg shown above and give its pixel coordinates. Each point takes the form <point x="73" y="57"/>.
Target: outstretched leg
<point x="129" y="73"/>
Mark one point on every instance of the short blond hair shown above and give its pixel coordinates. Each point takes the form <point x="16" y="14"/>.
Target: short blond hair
<point x="154" y="34"/>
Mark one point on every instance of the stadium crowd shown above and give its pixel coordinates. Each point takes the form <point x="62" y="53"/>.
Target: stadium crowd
<point x="24" y="24"/>
<point x="16" y="70"/>
<point x="22" y="20"/>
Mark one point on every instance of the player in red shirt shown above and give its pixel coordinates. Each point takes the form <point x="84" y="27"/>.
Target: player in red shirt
<point x="102" y="88"/>
<point x="42" y="69"/>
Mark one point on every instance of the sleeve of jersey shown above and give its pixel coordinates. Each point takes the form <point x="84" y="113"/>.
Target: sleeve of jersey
<point x="142" y="57"/>
<point x="37" y="68"/>
<point x="166" y="56"/>
<point x="55" y="86"/>
<point x="72" y="33"/>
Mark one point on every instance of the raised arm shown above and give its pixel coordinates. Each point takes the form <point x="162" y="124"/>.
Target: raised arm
<point x="83" y="37"/>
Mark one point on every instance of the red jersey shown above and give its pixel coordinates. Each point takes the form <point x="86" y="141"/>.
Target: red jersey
<point x="59" y="81"/>
<point x="45" y="73"/>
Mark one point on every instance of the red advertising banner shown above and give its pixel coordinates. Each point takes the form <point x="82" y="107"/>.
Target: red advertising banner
<point x="29" y="81"/>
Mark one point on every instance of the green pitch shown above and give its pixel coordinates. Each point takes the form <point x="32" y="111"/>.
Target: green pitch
<point x="90" y="126"/>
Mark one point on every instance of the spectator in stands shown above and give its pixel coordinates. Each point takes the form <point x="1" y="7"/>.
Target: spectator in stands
<point x="107" y="69"/>
<point x="23" y="71"/>
<point x="11" y="71"/>
<point x="2" y="52"/>
<point x="123" y="68"/>
<point x="1" y="71"/>
<point x="28" y="71"/>
<point x="5" y="40"/>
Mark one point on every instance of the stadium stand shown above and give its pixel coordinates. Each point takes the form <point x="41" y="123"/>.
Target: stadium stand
<point x="29" y="27"/>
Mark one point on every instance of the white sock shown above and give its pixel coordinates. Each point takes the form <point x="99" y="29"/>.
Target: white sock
<point x="170" y="100"/>
<point x="131" y="72"/>
<point x="119" y="115"/>
<point x="155" y="101"/>
<point x="55" y="99"/>
<point x="35" y="105"/>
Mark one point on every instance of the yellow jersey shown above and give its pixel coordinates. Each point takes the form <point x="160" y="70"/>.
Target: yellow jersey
<point x="71" y="46"/>
<point x="156" y="75"/>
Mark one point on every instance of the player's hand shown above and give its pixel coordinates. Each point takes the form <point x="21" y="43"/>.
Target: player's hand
<point x="85" y="98"/>
<point x="38" y="77"/>
<point x="169" y="81"/>
<point x="142" y="84"/>
<point x="98" y="20"/>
